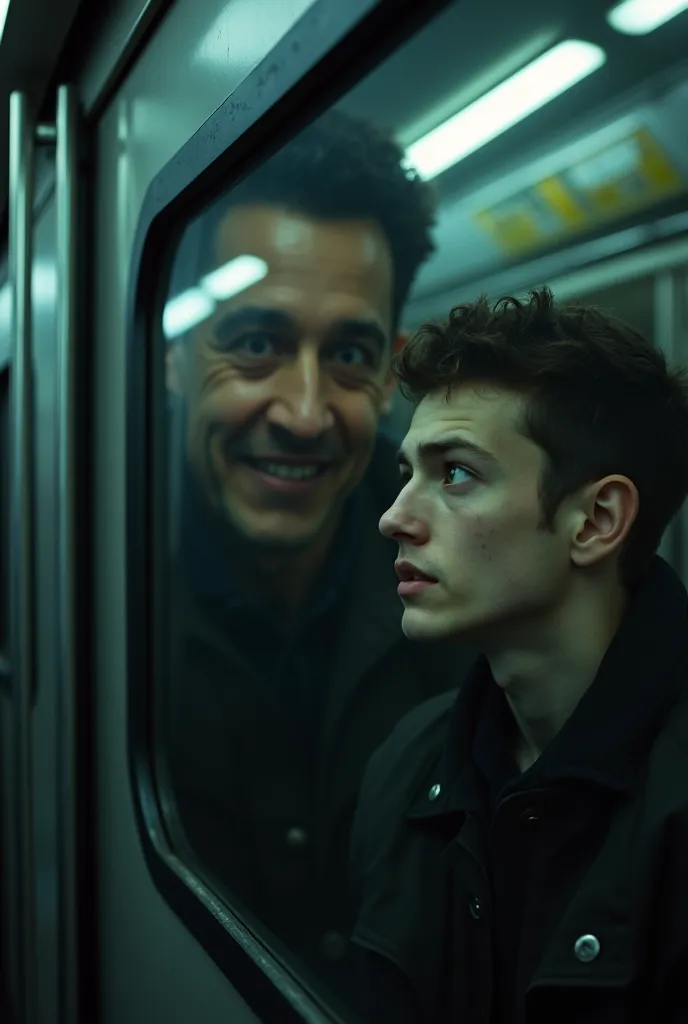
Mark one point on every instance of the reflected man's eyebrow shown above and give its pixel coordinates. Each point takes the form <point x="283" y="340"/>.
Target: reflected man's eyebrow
<point x="269" y="319"/>
<point x="425" y="450"/>
<point x="256" y="316"/>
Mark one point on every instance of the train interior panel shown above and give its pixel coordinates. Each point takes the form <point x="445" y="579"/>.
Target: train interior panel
<point x="219" y="219"/>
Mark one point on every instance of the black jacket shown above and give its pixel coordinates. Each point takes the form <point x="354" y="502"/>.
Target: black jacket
<point x="266" y="815"/>
<point x="567" y="903"/>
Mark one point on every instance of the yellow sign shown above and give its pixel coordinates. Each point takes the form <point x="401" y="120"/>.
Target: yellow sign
<point x="632" y="174"/>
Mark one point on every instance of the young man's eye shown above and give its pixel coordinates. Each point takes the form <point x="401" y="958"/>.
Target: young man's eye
<point x="457" y="475"/>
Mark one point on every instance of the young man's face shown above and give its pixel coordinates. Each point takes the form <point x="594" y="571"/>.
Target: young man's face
<point x="286" y="383"/>
<point x="469" y="516"/>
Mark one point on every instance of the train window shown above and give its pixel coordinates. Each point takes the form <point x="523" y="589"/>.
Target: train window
<point x="286" y="663"/>
<point x="5" y="458"/>
<point x="283" y="663"/>
<point x="4" y="518"/>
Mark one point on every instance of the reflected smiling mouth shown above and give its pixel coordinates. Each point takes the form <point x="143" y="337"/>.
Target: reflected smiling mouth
<point x="285" y="468"/>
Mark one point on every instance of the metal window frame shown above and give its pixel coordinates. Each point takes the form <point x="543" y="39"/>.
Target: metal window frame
<point x="332" y="47"/>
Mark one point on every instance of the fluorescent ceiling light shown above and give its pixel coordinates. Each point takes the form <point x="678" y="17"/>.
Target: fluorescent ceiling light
<point x="234" y="277"/>
<point x="525" y="92"/>
<point x="4" y="8"/>
<point x="185" y="311"/>
<point x="638" y="17"/>
<point x="194" y="305"/>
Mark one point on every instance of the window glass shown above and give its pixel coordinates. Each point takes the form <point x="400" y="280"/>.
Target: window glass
<point x="285" y="662"/>
<point x="5" y="442"/>
<point x="287" y="666"/>
<point x="4" y="516"/>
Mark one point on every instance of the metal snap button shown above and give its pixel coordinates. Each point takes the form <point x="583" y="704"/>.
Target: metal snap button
<point x="296" y="837"/>
<point x="434" y="791"/>
<point x="530" y="814"/>
<point x="476" y="908"/>
<point x="587" y="947"/>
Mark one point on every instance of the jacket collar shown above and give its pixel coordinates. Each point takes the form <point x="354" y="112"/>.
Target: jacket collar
<point x="642" y="676"/>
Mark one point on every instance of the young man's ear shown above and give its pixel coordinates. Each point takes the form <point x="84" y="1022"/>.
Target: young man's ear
<point x="391" y="383"/>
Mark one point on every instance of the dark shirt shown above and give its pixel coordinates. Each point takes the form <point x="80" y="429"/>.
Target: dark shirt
<point x="292" y="661"/>
<point x="492" y="754"/>
<point x="493" y="746"/>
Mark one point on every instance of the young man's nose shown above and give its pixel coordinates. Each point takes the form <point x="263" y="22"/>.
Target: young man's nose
<point x="399" y="524"/>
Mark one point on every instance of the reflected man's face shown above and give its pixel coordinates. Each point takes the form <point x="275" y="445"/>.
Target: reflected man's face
<point x="285" y="383"/>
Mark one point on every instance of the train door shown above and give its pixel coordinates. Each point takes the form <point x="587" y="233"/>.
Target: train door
<point x="167" y="147"/>
<point x="174" y="110"/>
<point x="269" y="58"/>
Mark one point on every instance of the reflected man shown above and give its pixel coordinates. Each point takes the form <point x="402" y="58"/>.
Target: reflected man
<point x="289" y="665"/>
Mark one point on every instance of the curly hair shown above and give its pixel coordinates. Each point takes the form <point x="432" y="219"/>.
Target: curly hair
<point x="340" y="168"/>
<point x="600" y="399"/>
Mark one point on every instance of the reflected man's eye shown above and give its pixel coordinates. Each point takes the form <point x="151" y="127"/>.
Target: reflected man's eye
<point x="257" y="345"/>
<point x="352" y="355"/>
<point x="457" y="475"/>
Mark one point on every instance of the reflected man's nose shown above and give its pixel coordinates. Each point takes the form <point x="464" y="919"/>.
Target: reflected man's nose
<point x="301" y="405"/>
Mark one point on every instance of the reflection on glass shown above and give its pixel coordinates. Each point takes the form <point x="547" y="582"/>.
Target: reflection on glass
<point x="287" y="663"/>
<point x="195" y="305"/>
<point x="234" y="277"/>
<point x="185" y="311"/>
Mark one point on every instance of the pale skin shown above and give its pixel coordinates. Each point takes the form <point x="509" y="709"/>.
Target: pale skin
<point x="296" y="369"/>
<point x="542" y="604"/>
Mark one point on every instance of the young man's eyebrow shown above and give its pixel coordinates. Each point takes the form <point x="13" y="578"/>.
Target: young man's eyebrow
<point x="425" y="450"/>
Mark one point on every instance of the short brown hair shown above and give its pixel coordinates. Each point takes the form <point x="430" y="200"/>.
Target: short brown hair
<point x="600" y="400"/>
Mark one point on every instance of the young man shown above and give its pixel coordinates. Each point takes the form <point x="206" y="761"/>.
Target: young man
<point x="289" y="665"/>
<point x="520" y="851"/>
